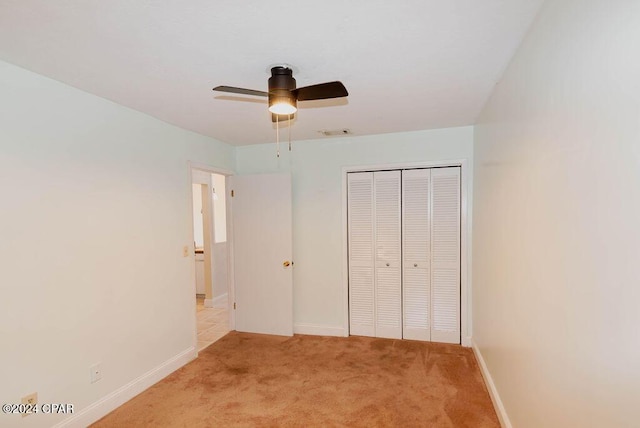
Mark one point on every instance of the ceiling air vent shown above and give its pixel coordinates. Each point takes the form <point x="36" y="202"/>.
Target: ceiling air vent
<point x="335" y="132"/>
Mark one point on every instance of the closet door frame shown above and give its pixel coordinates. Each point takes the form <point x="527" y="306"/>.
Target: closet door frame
<point x="465" y="234"/>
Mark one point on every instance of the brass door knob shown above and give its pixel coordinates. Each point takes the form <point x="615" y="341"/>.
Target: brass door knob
<point x="286" y="263"/>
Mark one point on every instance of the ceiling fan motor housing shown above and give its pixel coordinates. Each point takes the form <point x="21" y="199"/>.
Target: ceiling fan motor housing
<point x="281" y="86"/>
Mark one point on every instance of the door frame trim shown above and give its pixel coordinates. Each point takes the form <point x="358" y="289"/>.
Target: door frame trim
<point x="465" y="236"/>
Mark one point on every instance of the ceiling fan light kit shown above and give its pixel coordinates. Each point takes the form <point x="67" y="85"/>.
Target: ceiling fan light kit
<point x="282" y="99"/>
<point x="284" y="96"/>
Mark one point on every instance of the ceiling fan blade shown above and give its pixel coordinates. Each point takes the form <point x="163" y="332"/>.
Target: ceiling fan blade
<point x="281" y="117"/>
<point x="242" y="91"/>
<point x="321" y="91"/>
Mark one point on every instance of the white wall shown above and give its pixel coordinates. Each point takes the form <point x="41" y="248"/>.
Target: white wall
<point x="198" y="225"/>
<point x="316" y="168"/>
<point x="220" y="258"/>
<point x="557" y="205"/>
<point x="218" y="181"/>
<point x="95" y="210"/>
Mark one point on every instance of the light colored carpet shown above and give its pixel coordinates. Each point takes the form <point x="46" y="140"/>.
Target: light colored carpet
<point x="251" y="380"/>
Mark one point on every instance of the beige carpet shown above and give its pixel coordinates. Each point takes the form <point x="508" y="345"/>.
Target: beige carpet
<point x="249" y="380"/>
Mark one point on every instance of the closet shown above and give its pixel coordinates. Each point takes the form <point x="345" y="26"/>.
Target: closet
<point x="404" y="253"/>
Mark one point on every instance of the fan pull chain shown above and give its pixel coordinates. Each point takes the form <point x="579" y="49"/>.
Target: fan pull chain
<point x="289" y="132"/>
<point x="277" y="136"/>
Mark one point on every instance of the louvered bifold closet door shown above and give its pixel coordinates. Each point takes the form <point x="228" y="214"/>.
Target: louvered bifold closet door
<point x="388" y="274"/>
<point x="361" y="253"/>
<point x="416" y="284"/>
<point x="445" y="250"/>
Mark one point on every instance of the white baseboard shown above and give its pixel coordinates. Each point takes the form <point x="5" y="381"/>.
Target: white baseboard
<point x="318" y="330"/>
<point x="466" y="341"/>
<point x="121" y="395"/>
<point x="222" y="301"/>
<point x="493" y="392"/>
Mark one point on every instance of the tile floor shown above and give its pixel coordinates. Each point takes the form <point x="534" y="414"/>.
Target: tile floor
<point x="213" y="323"/>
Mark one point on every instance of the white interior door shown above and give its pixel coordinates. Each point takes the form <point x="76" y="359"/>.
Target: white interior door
<point x="445" y="250"/>
<point x="416" y="286"/>
<point x="262" y="247"/>
<point x="361" y="254"/>
<point x="375" y="303"/>
<point x="388" y="275"/>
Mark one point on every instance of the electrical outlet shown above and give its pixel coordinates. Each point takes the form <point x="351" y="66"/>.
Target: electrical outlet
<point x="185" y="251"/>
<point x="95" y="372"/>
<point x="31" y="400"/>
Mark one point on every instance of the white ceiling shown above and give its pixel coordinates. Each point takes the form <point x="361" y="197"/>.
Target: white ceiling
<point x="408" y="65"/>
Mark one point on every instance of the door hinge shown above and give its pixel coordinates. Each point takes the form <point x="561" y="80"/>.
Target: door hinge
<point x="233" y="193"/>
<point x="234" y="305"/>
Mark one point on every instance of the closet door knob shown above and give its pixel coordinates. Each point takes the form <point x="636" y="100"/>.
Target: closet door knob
<point x="387" y="264"/>
<point x="415" y="265"/>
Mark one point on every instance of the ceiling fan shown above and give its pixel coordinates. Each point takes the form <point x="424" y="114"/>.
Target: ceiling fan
<point x="284" y="96"/>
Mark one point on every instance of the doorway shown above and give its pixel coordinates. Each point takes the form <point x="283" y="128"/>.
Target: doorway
<point x="210" y="255"/>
